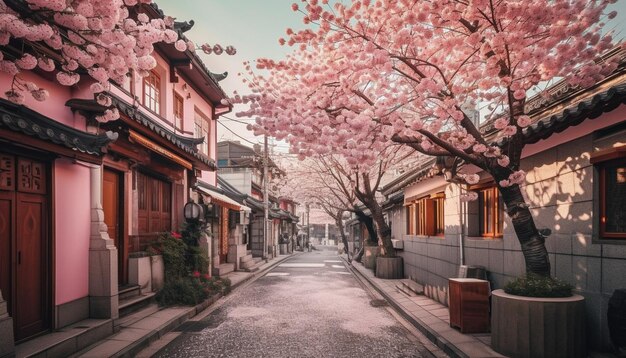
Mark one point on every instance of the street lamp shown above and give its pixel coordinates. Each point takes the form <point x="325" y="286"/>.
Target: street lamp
<point x="193" y="212"/>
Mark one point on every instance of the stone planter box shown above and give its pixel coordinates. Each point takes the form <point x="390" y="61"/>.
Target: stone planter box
<point x="140" y="273"/>
<point x="283" y="249"/>
<point x="158" y="272"/>
<point x="389" y="267"/>
<point x="538" y="327"/>
<point x="369" y="257"/>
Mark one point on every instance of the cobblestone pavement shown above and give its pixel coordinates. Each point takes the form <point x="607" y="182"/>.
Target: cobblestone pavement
<point x="308" y="306"/>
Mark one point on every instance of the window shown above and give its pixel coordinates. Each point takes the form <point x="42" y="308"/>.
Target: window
<point x="490" y="212"/>
<point x="201" y="129"/>
<point x="179" y="111"/>
<point x="152" y="92"/>
<point x="154" y="204"/>
<point x="425" y="216"/>
<point x="613" y="199"/>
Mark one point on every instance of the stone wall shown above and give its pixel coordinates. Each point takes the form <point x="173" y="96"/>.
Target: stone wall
<point x="560" y="191"/>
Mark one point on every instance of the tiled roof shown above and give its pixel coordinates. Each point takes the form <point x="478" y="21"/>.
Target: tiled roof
<point x="22" y="119"/>
<point x="187" y="144"/>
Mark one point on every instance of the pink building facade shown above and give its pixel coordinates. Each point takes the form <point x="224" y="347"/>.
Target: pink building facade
<point x="79" y="200"/>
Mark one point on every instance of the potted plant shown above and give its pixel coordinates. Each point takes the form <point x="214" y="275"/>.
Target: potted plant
<point x="538" y="316"/>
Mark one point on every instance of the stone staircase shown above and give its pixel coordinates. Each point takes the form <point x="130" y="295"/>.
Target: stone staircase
<point x="70" y="340"/>
<point x="249" y="263"/>
<point x="410" y="287"/>
<point x="131" y="299"/>
<point x="223" y="269"/>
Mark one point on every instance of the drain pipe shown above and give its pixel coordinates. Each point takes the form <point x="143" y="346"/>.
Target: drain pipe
<point x="462" y="219"/>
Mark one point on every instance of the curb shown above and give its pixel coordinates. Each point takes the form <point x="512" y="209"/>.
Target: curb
<point x="446" y="346"/>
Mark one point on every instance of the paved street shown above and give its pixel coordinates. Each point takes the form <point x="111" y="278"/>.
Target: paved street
<point x="308" y="306"/>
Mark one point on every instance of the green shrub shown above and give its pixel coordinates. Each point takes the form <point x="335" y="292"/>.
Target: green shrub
<point x="533" y="285"/>
<point x="173" y="250"/>
<point x="181" y="291"/>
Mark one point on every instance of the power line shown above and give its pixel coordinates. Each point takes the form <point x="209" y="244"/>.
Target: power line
<point x="234" y="120"/>
<point x="237" y="135"/>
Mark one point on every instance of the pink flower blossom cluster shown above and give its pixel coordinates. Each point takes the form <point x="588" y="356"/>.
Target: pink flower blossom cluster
<point x="98" y="36"/>
<point x="365" y="74"/>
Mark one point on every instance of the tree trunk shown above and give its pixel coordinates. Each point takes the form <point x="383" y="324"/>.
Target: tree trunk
<point x="344" y="239"/>
<point x="531" y="241"/>
<point x="369" y="225"/>
<point x="384" y="231"/>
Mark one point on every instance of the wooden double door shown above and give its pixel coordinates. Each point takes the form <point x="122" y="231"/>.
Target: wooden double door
<point x="25" y="260"/>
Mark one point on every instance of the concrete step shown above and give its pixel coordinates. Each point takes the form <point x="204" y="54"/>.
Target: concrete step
<point x="223" y="269"/>
<point x="256" y="263"/>
<point x="68" y="340"/>
<point x="136" y="316"/>
<point x="129" y="291"/>
<point x="133" y="304"/>
<point x="246" y="258"/>
<point x="247" y="265"/>
<point x="409" y="285"/>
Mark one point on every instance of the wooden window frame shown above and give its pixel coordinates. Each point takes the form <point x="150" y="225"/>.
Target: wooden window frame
<point x="152" y="103"/>
<point x="496" y="210"/>
<point x="426" y="216"/>
<point x="179" y="116"/>
<point x="203" y="122"/>
<point x="601" y="167"/>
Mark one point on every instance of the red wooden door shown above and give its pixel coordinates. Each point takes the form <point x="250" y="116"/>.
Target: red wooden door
<point x="7" y="234"/>
<point x="112" y="206"/>
<point x="24" y="244"/>
<point x="31" y="306"/>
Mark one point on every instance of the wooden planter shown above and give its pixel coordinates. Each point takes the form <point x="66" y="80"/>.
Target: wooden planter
<point x="389" y="267"/>
<point x="369" y="257"/>
<point x="538" y="327"/>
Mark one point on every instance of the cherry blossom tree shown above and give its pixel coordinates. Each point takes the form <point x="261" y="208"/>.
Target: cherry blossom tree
<point x="322" y="189"/>
<point x="372" y="72"/>
<point x="104" y="39"/>
<point x="338" y="187"/>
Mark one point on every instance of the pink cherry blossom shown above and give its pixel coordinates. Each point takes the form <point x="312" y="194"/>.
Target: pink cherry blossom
<point x="26" y="62"/>
<point x="40" y="95"/>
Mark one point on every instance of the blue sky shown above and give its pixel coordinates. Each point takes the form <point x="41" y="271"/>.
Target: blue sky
<point x="253" y="27"/>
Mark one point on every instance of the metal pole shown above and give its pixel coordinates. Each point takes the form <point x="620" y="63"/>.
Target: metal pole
<point x="308" y="226"/>
<point x="265" y="197"/>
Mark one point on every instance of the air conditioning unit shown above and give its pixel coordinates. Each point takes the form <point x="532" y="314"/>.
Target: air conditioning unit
<point x="397" y="244"/>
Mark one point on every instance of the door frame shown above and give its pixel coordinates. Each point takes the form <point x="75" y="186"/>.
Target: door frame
<point x="49" y="245"/>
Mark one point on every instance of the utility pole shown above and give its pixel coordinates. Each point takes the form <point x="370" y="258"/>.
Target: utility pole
<point x="308" y="225"/>
<point x="266" y="204"/>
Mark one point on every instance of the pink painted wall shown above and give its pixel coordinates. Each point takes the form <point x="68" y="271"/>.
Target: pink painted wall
<point x="54" y="107"/>
<point x="192" y="101"/>
<point x="72" y="221"/>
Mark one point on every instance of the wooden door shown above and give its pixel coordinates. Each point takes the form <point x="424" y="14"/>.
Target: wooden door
<point x="7" y="234"/>
<point x="25" y="266"/>
<point x="31" y="306"/>
<point x="112" y="205"/>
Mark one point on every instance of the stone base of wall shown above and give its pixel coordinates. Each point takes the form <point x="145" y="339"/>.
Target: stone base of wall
<point x="71" y="312"/>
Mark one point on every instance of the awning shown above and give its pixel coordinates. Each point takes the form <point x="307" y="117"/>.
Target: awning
<point x="222" y="200"/>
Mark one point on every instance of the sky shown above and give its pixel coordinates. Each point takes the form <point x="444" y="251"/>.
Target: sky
<point x="254" y="27"/>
